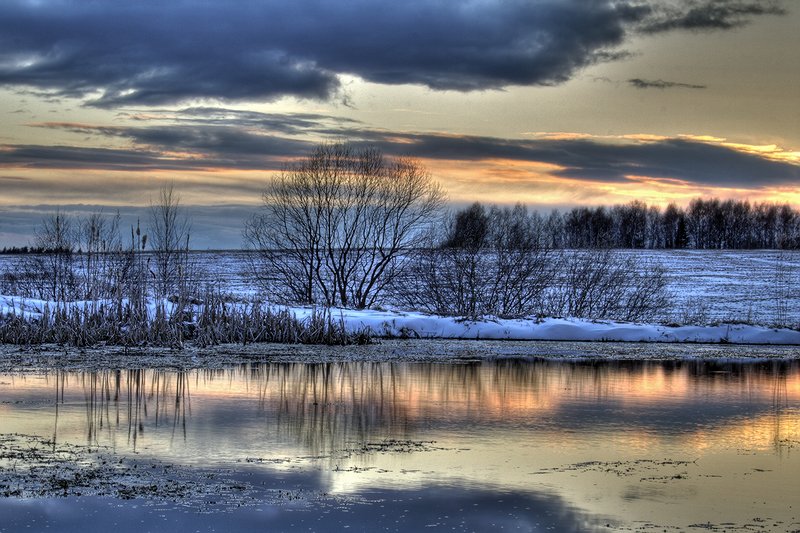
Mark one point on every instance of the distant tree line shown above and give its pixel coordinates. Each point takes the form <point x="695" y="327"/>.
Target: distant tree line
<point x="21" y="250"/>
<point x="704" y="224"/>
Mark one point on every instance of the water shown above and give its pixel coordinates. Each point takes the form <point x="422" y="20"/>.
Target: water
<point x="524" y="445"/>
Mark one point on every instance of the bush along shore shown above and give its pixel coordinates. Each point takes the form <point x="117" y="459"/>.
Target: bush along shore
<point x="207" y="322"/>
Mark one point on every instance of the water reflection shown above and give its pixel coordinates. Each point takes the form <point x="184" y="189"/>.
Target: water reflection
<point x="125" y="400"/>
<point x="323" y="407"/>
<point x="438" y="508"/>
<point x="625" y="439"/>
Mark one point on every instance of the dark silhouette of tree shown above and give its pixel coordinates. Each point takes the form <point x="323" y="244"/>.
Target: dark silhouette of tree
<point x="488" y="262"/>
<point x="706" y="223"/>
<point x="470" y="229"/>
<point x="335" y="227"/>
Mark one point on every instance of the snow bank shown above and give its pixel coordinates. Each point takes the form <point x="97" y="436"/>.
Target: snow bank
<point x="421" y="325"/>
<point x="26" y="308"/>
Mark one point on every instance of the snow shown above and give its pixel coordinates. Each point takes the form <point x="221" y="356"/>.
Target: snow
<point x="25" y="308"/>
<point x="33" y="309"/>
<point x="410" y="324"/>
<point x="426" y="326"/>
<point x="708" y="286"/>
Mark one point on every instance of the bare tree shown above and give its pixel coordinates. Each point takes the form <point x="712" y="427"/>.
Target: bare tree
<point x="52" y="272"/>
<point x="489" y="263"/>
<point x="524" y="265"/>
<point x="49" y="272"/>
<point x="77" y="258"/>
<point x="169" y="241"/>
<point x="101" y="260"/>
<point x="335" y="227"/>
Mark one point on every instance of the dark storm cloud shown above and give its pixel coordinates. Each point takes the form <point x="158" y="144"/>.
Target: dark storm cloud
<point x="151" y="52"/>
<point x="661" y="84"/>
<point x="709" y="15"/>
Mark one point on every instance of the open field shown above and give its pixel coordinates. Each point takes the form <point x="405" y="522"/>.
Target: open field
<point x="760" y="286"/>
<point x="707" y="286"/>
<point x="721" y="285"/>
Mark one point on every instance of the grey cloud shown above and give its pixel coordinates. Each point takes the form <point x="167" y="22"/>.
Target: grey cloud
<point x="207" y="138"/>
<point x="661" y="84"/>
<point x="150" y="52"/>
<point x="234" y="150"/>
<point x="72" y="157"/>
<point x="709" y="14"/>
<point x="212" y="138"/>
<point x="212" y="146"/>
<point x="277" y="122"/>
<point x="587" y="159"/>
<point x="284" y="123"/>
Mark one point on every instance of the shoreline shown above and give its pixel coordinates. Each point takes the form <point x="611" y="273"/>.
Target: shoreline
<point x="31" y="359"/>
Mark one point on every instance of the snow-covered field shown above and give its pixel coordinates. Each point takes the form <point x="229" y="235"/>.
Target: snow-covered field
<point x="758" y="286"/>
<point x="719" y="289"/>
<point x="761" y="286"/>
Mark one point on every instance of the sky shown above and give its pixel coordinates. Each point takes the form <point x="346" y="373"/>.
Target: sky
<point x="553" y="103"/>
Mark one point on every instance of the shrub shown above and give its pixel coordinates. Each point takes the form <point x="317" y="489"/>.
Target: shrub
<point x="488" y="263"/>
<point x="606" y="284"/>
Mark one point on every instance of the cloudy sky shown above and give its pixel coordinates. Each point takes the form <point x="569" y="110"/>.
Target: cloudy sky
<point x="550" y="102"/>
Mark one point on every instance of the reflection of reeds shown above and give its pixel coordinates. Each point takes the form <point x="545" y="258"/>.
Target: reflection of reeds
<point x="786" y="427"/>
<point x="115" y="400"/>
<point x="332" y="406"/>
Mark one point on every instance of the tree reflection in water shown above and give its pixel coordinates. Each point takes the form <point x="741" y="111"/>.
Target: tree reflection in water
<point x="633" y="440"/>
<point x="324" y="407"/>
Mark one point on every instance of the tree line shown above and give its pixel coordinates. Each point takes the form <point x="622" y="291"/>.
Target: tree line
<point x="706" y="223"/>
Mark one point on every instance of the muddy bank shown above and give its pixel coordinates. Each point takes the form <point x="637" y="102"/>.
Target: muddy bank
<point x="43" y="358"/>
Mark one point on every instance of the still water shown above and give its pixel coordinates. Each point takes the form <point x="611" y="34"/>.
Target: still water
<point x="518" y="445"/>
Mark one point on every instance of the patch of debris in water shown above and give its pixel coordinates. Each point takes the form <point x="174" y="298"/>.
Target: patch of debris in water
<point x="36" y="467"/>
